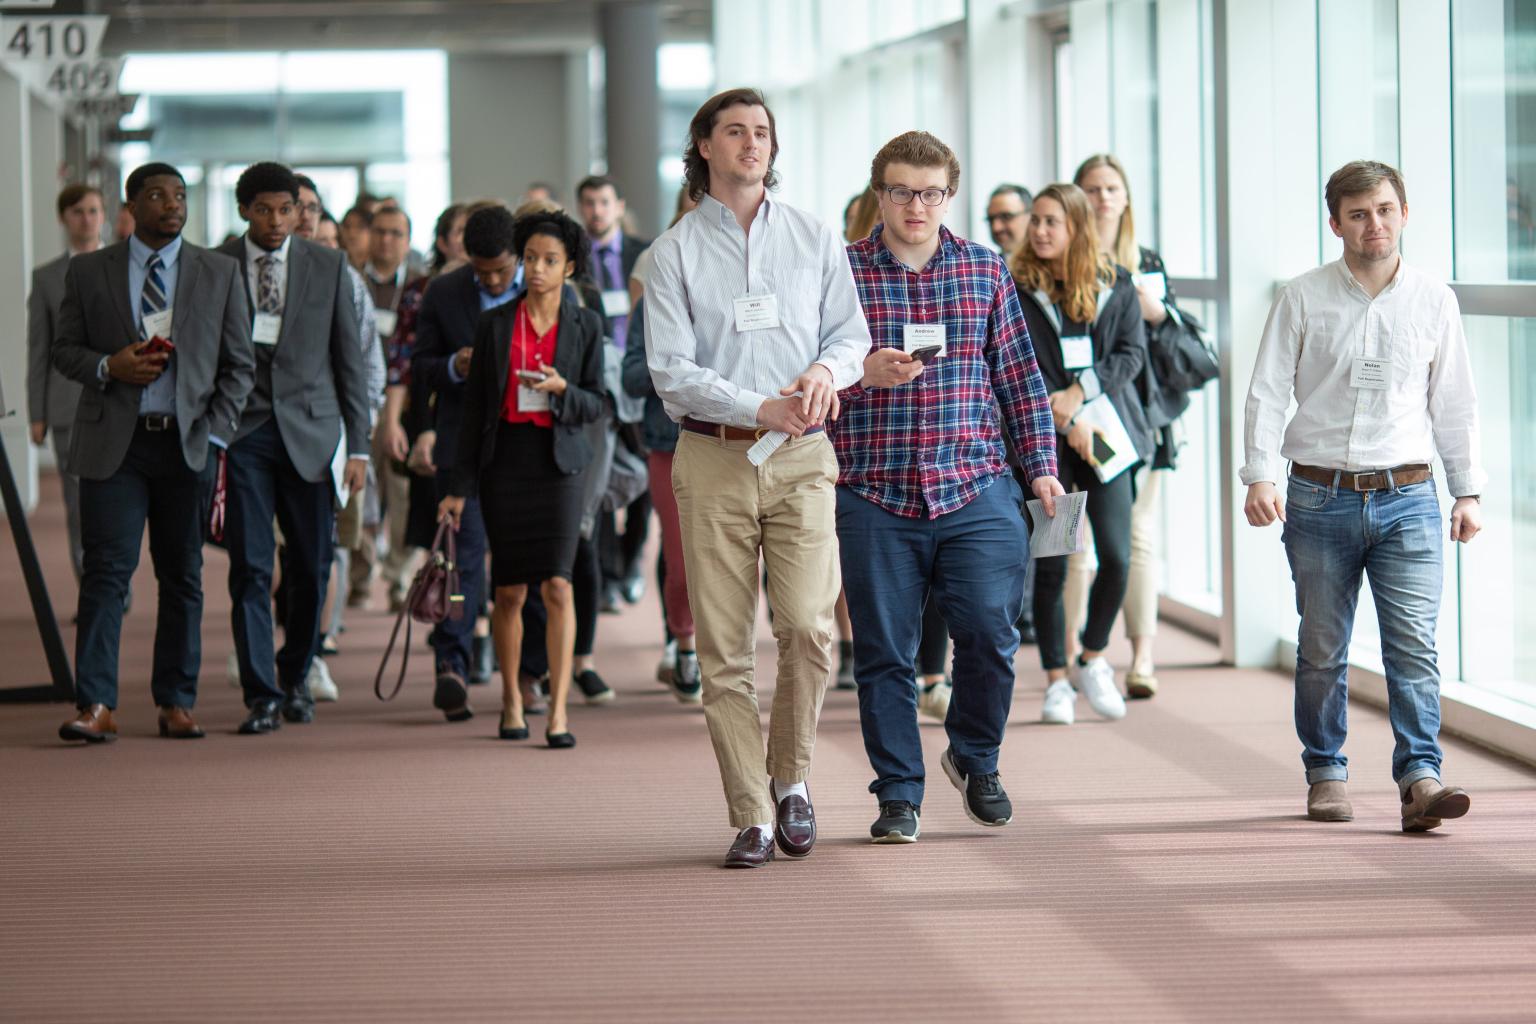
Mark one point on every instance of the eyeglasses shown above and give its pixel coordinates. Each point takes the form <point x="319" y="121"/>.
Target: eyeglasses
<point x="1004" y="216"/>
<point x="314" y="208"/>
<point x="902" y="196"/>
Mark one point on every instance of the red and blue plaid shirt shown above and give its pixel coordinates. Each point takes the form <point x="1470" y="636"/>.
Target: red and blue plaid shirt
<point x="934" y="444"/>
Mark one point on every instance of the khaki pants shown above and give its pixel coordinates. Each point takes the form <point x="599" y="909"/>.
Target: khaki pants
<point x="731" y="511"/>
<point x="1141" y="591"/>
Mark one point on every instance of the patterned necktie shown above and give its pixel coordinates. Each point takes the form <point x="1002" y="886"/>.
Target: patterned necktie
<point x="152" y="299"/>
<point x="267" y="298"/>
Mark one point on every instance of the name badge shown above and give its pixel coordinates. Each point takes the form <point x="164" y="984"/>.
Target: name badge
<point x="1371" y="374"/>
<point x="615" y="303"/>
<point x="916" y="336"/>
<point x="158" y="323"/>
<point x="266" y="329"/>
<point x="384" y="320"/>
<point x="529" y="400"/>
<point x="757" y="312"/>
<point x="1077" y="352"/>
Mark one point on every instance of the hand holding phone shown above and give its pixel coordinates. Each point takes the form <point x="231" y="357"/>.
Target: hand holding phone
<point x="531" y="377"/>
<point x="1102" y="452"/>
<point x="927" y="353"/>
<point x="158" y="345"/>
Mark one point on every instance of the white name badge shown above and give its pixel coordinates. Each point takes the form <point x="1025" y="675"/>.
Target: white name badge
<point x="757" y="312"/>
<point x="529" y="400"/>
<point x="1077" y="352"/>
<point x="266" y="329"/>
<point x="384" y="320"/>
<point x="158" y="323"/>
<point x="916" y="336"/>
<point x="615" y="303"/>
<point x="1371" y="374"/>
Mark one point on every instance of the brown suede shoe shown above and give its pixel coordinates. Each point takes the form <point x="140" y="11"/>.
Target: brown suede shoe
<point x="178" y="724"/>
<point x="94" y="724"/>
<point x="1329" y="801"/>
<point x="1428" y="802"/>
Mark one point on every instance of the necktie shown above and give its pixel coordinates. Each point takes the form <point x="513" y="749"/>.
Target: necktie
<point x="152" y="298"/>
<point x="267" y="298"/>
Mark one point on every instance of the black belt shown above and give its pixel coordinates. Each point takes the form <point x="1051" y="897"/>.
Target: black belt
<point x="157" y="421"/>
<point x="721" y="432"/>
<point x="1373" y="480"/>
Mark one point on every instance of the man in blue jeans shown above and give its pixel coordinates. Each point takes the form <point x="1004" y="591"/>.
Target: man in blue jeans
<point x="1375" y="355"/>
<point x="925" y="500"/>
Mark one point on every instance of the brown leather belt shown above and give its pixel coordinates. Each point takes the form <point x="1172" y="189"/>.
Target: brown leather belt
<point x="721" y="432"/>
<point x="1375" y="480"/>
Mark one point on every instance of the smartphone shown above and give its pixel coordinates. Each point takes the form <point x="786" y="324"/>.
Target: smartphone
<point x="157" y="345"/>
<point x="1102" y="452"/>
<point x="922" y="355"/>
<point x="531" y="376"/>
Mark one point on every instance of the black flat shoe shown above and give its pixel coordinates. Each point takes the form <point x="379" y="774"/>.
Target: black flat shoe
<point x="509" y="733"/>
<point x="559" y="740"/>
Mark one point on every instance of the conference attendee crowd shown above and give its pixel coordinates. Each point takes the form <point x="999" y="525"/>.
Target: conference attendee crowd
<point x="854" y="421"/>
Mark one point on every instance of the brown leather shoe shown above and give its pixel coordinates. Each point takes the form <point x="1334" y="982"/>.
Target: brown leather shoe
<point x="795" y="826"/>
<point x="178" y="724"/>
<point x="94" y="724"/>
<point x="752" y="849"/>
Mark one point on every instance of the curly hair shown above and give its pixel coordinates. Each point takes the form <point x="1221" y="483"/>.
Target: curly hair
<point x="557" y="226"/>
<point x="1086" y="270"/>
<point x="265" y="177"/>
<point x="489" y="232"/>
<point x="695" y="167"/>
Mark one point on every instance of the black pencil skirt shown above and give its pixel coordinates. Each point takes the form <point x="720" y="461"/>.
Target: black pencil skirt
<point x="532" y="510"/>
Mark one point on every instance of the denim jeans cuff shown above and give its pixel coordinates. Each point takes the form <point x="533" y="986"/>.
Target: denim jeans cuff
<point x="1327" y="773"/>
<point x="1423" y="771"/>
<point x="912" y="792"/>
<point x="974" y="766"/>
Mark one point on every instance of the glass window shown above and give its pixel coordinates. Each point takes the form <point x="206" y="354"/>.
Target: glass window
<point x="1357" y="91"/>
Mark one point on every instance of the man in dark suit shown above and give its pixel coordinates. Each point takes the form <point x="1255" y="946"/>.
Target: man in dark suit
<point x="613" y="260"/>
<point x="52" y="397"/>
<point x="445" y="335"/>
<point x="311" y="379"/>
<point x="156" y="331"/>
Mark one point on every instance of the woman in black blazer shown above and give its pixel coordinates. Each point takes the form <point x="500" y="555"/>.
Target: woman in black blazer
<point x="535" y="378"/>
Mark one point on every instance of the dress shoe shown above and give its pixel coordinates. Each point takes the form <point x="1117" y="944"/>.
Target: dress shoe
<point x="177" y="724"/>
<point x="451" y="697"/>
<point x="482" y="658"/>
<point x="795" y="825"/>
<point x="1428" y="802"/>
<point x="1140" y="685"/>
<point x="1329" y="801"/>
<point x="560" y="740"/>
<point x="263" y="717"/>
<point x="752" y="849"/>
<point x="93" y="724"/>
<point x="298" y="707"/>
<point x="508" y="730"/>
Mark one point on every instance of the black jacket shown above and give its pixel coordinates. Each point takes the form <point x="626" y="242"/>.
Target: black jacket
<point x="578" y="357"/>
<point x="449" y="315"/>
<point x="1119" y="352"/>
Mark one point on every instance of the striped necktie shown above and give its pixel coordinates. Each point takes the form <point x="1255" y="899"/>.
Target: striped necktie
<point x="152" y="300"/>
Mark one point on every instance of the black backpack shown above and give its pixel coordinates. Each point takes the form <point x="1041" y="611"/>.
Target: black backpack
<point x="1182" y="360"/>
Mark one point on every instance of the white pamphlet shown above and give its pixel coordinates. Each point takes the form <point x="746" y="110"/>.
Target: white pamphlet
<point x="1063" y="533"/>
<point x="1100" y="414"/>
<point x="766" y="446"/>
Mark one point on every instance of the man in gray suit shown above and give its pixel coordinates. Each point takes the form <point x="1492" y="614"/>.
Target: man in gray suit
<point x="52" y="397"/>
<point x="311" y="378"/>
<point x="156" y="331"/>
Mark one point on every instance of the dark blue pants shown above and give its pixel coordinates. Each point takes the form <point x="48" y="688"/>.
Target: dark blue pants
<point x="451" y="638"/>
<point x="261" y="483"/>
<point x="972" y="562"/>
<point x="153" y="485"/>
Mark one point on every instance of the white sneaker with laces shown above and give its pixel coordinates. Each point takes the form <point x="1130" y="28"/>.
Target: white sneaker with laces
<point x="321" y="686"/>
<point x="933" y="700"/>
<point x="1096" y="681"/>
<point x="1060" y="706"/>
<point x="232" y="670"/>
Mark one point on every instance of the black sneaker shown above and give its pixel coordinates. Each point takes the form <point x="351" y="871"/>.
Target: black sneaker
<point x="592" y="687"/>
<point x="687" y="686"/>
<point x="897" y="822"/>
<point x="986" y="803"/>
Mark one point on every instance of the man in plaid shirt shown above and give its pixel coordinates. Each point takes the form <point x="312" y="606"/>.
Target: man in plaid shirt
<point x="925" y="499"/>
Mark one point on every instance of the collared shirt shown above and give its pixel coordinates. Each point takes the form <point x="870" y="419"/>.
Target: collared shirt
<point x="701" y="365"/>
<point x="933" y="444"/>
<point x="608" y="273"/>
<point x="1321" y="323"/>
<point x="253" y="256"/>
<point x="158" y="396"/>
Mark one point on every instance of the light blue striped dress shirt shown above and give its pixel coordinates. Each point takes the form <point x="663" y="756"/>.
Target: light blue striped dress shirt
<point x="701" y="365"/>
<point x="159" y="396"/>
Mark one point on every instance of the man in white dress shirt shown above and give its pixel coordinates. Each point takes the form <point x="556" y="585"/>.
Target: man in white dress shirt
<point x="1375" y="355"/>
<point x="752" y="326"/>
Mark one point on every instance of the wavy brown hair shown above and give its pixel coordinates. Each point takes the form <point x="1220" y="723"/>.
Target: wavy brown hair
<point x="1125" y="251"/>
<point x="1085" y="269"/>
<point x="695" y="167"/>
<point x="861" y="215"/>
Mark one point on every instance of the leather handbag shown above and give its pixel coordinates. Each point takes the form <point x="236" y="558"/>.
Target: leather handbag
<point x="433" y="597"/>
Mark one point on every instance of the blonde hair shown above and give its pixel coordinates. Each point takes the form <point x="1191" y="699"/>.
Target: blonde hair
<point x="1125" y="250"/>
<point x="861" y="215"/>
<point x="1085" y="268"/>
<point x="537" y="206"/>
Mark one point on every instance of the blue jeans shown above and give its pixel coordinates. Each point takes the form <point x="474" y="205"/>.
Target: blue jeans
<point x="1393" y="536"/>
<point x="972" y="562"/>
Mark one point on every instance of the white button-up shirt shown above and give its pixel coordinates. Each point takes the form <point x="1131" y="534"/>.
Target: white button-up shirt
<point x="701" y="365"/>
<point x="253" y="255"/>
<point x="1321" y="323"/>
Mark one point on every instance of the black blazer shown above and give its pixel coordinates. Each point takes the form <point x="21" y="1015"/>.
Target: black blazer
<point x="450" y="313"/>
<point x="578" y="357"/>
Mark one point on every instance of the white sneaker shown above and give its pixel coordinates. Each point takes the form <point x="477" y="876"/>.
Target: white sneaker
<point x="665" y="665"/>
<point x="321" y="686"/>
<point x="933" y="700"/>
<point x="1060" y="706"/>
<point x="232" y="670"/>
<point x="1096" y="680"/>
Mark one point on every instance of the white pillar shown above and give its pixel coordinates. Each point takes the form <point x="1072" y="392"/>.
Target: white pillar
<point x="15" y="267"/>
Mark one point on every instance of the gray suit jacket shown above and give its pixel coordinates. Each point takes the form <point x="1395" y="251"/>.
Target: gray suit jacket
<point x="315" y="378"/>
<point x="51" y="397"/>
<point x="214" y="364"/>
